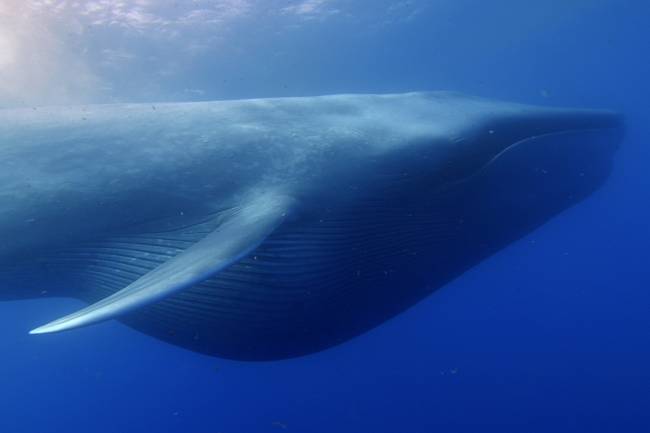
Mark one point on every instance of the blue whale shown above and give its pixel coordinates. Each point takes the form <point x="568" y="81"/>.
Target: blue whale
<point x="271" y="228"/>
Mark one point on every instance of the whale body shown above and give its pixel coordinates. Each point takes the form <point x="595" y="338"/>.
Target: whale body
<point x="272" y="228"/>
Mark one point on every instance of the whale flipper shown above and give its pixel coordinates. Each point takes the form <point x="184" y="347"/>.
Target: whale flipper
<point x="241" y="232"/>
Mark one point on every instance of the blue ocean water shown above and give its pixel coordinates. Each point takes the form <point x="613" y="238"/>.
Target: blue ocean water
<point x="550" y="334"/>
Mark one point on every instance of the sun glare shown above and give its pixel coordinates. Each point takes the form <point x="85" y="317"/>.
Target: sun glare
<point x="7" y="52"/>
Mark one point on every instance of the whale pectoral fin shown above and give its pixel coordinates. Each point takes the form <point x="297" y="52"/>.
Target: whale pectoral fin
<point x="237" y="236"/>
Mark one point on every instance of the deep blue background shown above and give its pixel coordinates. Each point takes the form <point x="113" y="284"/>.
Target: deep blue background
<point x="550" y="334"/>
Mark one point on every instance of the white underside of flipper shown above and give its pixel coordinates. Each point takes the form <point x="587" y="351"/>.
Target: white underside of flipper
<point x="236" y="237"/>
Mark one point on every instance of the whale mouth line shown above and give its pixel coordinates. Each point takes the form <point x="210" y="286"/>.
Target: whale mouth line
<point x="617" y="134"/>
<point x="550" y="135"/>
